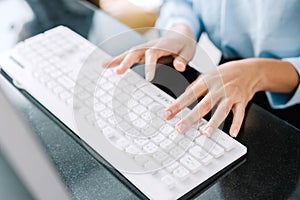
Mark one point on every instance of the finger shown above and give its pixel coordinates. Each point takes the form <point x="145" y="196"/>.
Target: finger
<point x="130" y="59"/>
<point x="238" y="116"/>
<point x="218" y="117"/>
<point x="115" y="61"/>
<point x="180" y="63"/>
<point x="187" y="98"/>
<point x="183" y="58"/>
<point x="151" y="57"/>
<point x="197" y="113"/>
<point x="193" y="83"/>
<point x="140" y="49"/>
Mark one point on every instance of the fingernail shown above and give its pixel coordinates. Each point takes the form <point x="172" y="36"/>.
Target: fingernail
<point x="234" y="132"/>
<point x="208" y="131"/>
<point x="181" y="127"/>
<point x="167" y="114"/>
<point x="181" y="64"/>
<point x="179" y="60"/>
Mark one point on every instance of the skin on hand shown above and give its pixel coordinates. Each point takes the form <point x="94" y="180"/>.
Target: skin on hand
<point x="231" y="86"/>
<point x="178" y="43"/>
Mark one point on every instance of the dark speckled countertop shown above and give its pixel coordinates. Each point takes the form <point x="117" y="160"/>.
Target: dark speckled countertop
<point x="272" y="166"/>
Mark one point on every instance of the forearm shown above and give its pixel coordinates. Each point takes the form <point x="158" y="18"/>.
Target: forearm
<point x="275" y="75"/>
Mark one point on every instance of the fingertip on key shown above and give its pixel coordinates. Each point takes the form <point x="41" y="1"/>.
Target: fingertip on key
<point x="208" y="131"/>
<point x="167" y="114"/>
<point x="181" y="127"/>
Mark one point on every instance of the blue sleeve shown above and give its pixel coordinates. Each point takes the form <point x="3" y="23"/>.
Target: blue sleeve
<point x="179" y="12"/>
<point x="283" y="100"/>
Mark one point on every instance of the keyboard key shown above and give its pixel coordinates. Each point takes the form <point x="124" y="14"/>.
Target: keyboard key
<point x="109" y="132"/>
<point x="224" y="140"/>
<point x="150" y="148"/>
<point x="107" y="86"/>
<point x="51" y="84"/>
<point x="185" y="143"/>
<point x="58" y="89"/>
<point x="167" y="144"/>
<point x="141" y="142"/>
<point x="99" y="106"/>
<point x="130" y="116"/>
<point x="169" y="181"/>
<point x="66" y="82"/>
<point x="166" y="129"/>
<point x="176" y="152"/>
<point x="133" y="77"/>
<point x="113" y="120"/>
<point x="122" y="143"/>
<point x="210" y="146"/>
<point x="131" y="149"/>
<point x="191" y="163"/>
<point x="101" y="124"/>
<point x="65" y="95"/>
<point x="139" y="123"/>
<point x="172" y="166"/>
<point x="147" y="117"/>
<point x="132" y="132"/>
<point x="138" y="94"/>
<point x="160" y="156"/>
<point x="124" y="126"/>
<point x="83" y="95"/>
<point x="122" y="97"/>
<point x="192" y="133"/>
<point x="139" y="109"/>
<point x="147" y="131"/>
<point x="181" y="173"/>
<point x="154" y="107"/>
<point x="132" y="103"/>
<point x="146" y="100"/>
<point x="157" y="139"/>
<point x="175" y="136"/>
<point x="106" y="98"/>
<point x="106" y="113"/>
<point x="201" y="155"/>
<point x="55" y="74"/>
<point x="157" y="122"/>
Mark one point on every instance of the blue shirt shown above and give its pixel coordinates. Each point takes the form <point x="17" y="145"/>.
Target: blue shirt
<point x="244" y="29"/>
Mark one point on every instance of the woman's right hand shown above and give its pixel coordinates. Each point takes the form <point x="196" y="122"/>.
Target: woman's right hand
<point x="179" y="43"/>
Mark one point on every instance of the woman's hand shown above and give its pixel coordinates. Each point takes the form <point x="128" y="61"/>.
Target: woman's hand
<point x="179" y="43"/>
<point x="231" y="86"/>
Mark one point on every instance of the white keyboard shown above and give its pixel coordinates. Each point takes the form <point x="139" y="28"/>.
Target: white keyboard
<point x="119" y="116"/>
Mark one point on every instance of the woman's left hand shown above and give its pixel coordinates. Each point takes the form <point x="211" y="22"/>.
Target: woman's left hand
<point x="230" y="86"/>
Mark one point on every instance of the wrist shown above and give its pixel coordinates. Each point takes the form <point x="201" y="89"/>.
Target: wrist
<point x="183" y="29"/>
<point x="275" y="75"/>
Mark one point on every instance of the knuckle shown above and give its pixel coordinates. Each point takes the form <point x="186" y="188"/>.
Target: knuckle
<point x="133" y="50"/>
